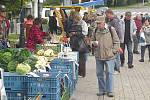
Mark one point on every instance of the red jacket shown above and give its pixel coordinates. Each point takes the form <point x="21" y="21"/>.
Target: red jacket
<point x="35" y="37"/>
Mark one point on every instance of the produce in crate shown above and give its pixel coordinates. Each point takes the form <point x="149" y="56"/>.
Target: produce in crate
<point x="40" y="52"/>
<point x="10" y="58"/>
<point x="41" y="63"/>
<point x="12" y="66"/>
<point x="32" y="60"/>
<point x="23" y="68"/>
<point x="6" y="57"/>
<point x="49" y="53"/>
<point x="21" y="55"/>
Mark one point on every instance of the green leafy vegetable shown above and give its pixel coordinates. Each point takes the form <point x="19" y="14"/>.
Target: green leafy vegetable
<point x="12" y="66"/>
<point x="23" y="68"/>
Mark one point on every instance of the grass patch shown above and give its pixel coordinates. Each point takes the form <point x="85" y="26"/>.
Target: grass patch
<point x="137" y="5"/>
<point x="13" y="37"/>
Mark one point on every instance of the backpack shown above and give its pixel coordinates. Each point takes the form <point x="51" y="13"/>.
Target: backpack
<point x="109" y="27"/>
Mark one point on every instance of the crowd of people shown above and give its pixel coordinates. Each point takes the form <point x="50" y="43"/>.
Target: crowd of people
<point x="110" y="35"/>
<point x="104" y="35"/>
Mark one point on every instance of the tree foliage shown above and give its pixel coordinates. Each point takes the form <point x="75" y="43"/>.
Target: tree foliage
<point x="52" y="2"/>
<point x="14" y="6"/>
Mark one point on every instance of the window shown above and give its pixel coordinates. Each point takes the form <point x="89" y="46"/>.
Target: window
<point x="47" y="13"/>
<point x="85" y="1"/>
<point x="75" y="1"/>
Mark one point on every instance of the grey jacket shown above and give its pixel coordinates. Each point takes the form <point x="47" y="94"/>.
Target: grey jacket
<point x="133" y="28"/>
<point x="146" y="31"/>
<point x="118" y="25"/>
<point x="108" y="43"/>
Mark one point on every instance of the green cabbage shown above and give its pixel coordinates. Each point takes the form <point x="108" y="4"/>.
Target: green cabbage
<point x="23" y="68"/>
<point x="6" y="57"/>
<point x="12" y="66"/>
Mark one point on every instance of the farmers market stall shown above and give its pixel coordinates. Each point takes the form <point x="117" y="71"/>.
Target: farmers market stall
<point x="50" y="73"/>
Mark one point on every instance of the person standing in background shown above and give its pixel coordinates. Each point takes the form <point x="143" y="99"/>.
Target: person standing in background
<point x="3" y="27"/>
<point x="53" y="23"/>
<point x="7" y="26"/>
<point x="146" y="30"/>
<point x="138" y="22"/>
<point x="28" y="24"/>
<point x="129" y="30"/>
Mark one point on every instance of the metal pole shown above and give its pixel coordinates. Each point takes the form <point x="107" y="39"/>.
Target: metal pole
<point x="22" y="37"/>
<point x="39" y="9"/>
<point x="143" y="2"/>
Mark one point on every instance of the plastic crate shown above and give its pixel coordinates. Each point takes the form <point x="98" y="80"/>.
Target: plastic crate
<point x="62" y="64"/>
<point x="67" y="77"/>
<point x="14" y="81"/>
<point x="16" y="95"/>
<point x="48" y="85"/>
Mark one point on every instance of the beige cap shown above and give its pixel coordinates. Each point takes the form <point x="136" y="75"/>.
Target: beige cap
<point x="100" y="19"/>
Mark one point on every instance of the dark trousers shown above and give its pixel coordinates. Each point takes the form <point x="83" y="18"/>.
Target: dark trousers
<point x="130" y="53"/>
<point x="82" y="64"/>
<point x="143" y="51"/>
<point x="136" y="42"/>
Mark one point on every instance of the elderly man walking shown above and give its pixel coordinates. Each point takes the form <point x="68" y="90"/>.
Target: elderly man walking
<point x="129" y="30"/>
<point x="106" y="45"/>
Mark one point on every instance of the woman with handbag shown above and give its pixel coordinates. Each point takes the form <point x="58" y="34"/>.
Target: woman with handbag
<point x="77" y="33"/>
<point x="146" y="30"/>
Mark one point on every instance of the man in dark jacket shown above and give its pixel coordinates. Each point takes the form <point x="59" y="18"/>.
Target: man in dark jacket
<point x="114" y="21"/>
<point x="53" y="24"/>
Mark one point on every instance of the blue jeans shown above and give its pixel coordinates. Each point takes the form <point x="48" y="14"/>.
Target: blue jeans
<point x="105" y="83"/>
<point x="130" y="53"/>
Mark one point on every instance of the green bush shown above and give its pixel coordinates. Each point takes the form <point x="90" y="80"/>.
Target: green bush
<point x="129" y="2"/>
<point x="121" y="2"/>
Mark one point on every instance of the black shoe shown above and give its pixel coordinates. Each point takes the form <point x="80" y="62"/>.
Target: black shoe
<point x="130" y="66"/>
<point x="141" y="60"/>
<point x="100" y="94"/>
<point x="110" y="94"/>
<point x="122" y="64"/>
<point x="136" y="52"/>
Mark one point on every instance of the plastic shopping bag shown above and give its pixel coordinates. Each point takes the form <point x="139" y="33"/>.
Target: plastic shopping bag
<point x="142" y="41"/>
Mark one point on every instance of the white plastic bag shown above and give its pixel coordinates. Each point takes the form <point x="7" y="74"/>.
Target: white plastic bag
<point x="142" y="41"/>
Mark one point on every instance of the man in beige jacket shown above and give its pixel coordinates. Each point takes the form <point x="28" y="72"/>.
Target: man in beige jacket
<point x="107" y="44"/>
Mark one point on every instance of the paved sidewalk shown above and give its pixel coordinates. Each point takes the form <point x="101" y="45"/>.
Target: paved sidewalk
<point x="130" y="84"/>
